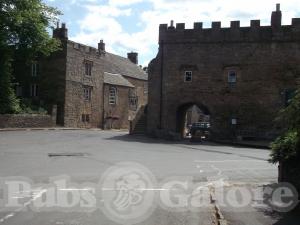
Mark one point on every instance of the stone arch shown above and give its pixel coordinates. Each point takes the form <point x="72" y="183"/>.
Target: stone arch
<point x="181" y="112"/>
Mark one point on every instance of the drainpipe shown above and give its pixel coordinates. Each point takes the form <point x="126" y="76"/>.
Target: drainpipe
<point x="161" y="85"/>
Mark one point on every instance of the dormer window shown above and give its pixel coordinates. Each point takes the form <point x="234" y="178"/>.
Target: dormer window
<point x="188" y="76"/>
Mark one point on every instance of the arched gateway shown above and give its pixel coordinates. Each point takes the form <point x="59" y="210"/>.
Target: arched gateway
<point x="190" y="113"/>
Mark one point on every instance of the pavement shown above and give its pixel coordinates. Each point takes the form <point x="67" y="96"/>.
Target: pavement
<point x="88" y="157"/>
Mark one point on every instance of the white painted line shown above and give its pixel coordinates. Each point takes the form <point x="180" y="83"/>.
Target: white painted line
<point x="34" y="197"/>
<point x="223" y="161"/>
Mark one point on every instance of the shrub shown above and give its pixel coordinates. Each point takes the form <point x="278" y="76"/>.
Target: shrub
<point x="28" y="107"/>
<point x="285" y="147"/>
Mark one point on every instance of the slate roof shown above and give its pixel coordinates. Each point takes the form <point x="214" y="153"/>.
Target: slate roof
<point x="118" y="65"/>
<point x="116" y="79"/>
<point x="115" y="64"/>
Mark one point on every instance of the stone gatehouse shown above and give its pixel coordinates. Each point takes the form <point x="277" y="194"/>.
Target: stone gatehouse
<point x="91" y="87"/>
<point x="239" y="76"/>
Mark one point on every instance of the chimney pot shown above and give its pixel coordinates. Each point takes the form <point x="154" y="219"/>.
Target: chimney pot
<point x="61" y="33"/>
<point x="277" y="7"/>
<point x="133" y="57"/>
<point x="276" y="18"/>
<point x="101" y="46"/>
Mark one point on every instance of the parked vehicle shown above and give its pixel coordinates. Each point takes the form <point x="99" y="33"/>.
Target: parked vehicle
<point x="200" y="131"/>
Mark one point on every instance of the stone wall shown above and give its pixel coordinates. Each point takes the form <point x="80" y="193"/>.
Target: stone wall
<point x="141" y="87"/>
<point x="266" y="61"/>
<point x="52" y="81"/>
<point x="27" y="121"/>
<point x="116" y="116"/>
<point x="76" y="81"/>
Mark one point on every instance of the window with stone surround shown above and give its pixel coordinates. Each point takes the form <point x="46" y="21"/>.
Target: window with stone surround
<point x="88" y="67"/>
<point x="133" y="99"/>
<point x="232" y="77"/>
<point x="34" y="69"/>
<point x="87" y="93"/>
<point x="19" y="90"/>
<point x="112" y="97"/>
<point x="188" y="76"/>
<point x="85" y="118"/>
<point x="34" y="90"/>
<point x="145" y="87"/>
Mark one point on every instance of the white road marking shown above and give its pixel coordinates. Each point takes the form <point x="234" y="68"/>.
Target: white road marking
<point x="33" y="198"/>
<point x="223" y="161"/>
<point x="75" y="189"/>
<point x="137" y="189"/>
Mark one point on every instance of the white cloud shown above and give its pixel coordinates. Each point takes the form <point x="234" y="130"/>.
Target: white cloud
<point x="124" y="2"/>
<point x="104" y="21"/>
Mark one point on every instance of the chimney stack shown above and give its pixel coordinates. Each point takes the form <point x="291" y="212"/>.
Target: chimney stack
<point x="276" y="18"/>
<point x="101" y="46"/>
<point x="133" y="57"/>
<point x="60" y="33"/>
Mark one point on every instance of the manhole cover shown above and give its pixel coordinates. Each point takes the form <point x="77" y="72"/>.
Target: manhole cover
<point x="66" y="154"/>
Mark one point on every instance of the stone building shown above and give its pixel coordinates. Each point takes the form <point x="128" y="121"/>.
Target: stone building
<point x="90" y="86"/>
<point x="240" y="77"/>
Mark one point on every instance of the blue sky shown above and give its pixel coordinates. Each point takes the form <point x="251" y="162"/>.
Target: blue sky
<point x="132" y="25"/>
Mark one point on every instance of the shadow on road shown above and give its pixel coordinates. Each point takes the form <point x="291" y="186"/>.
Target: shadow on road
<point x="281" y="218"/>
<point x="149" y="140"/>
<point x="289" y="219"/>
<point x="184" y="143"/>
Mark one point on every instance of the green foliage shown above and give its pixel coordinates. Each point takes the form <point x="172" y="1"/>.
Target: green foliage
<point x="290" y="116"/>
<point x="287" y="146"/>
<point x="24" y="24"/>
<point x="28" y="107"/>
<point x="8" y="101"/>
<point x="23" y="33"/>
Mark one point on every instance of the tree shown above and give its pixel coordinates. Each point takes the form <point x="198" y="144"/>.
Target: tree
<point x="23" y="33"/>
<point x="287" y="147"/>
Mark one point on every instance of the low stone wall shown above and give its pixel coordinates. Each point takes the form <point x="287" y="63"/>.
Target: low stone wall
<point x="26" y="121"/>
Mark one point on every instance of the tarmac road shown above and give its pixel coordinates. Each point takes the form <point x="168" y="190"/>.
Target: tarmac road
<point x="85" y="157"/>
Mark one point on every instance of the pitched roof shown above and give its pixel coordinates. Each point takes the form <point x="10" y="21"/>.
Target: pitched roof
<point x="118" y="65"/>
<point x="116" y="79"/>
<point x="115" y="64"/>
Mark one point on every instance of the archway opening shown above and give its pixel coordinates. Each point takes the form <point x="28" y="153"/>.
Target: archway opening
<point x="191" y="115"/>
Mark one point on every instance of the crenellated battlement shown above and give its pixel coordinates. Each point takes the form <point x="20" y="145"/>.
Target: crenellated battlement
<point x="235" y="33"/>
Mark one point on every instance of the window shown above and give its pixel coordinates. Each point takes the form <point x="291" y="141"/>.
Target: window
<point x="34" y="90"/>
<point x="232" y="77"/>
<point x="87" y="93"/>
<point x="188" y="76"/>
<point x="34" y="69"/>
<point x="112" y="98"/>
<point x="289" y="94"/>
<point x="19" y="91"/>
<point x="133" y="99"/>
<point x="233" y="121"/>
<point x="85" y="118"/>
<point x="145" y="88"/>
<point x="88" y="68"/>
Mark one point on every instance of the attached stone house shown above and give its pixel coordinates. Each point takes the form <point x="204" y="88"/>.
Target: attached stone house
<point x="82" y="81"/>
<point x="240" y="77"/>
